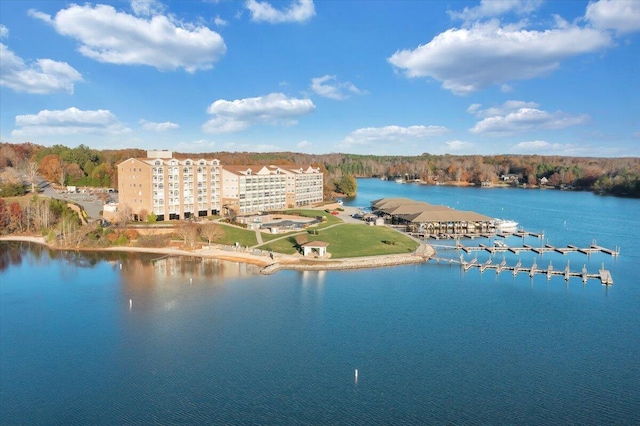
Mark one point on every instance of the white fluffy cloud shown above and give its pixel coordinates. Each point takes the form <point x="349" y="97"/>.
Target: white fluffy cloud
<point x="391" y="134"/>
<point x="505" y="108"/>
<point x="518" y="117"/>
<point x="41" y="77"/>
<point x="621" y="16"/>
<point x="107" y="35"/>
<point x="239" y="114"/>
<point x="70" y="121"/>
<point x="219" y="21"/>
<point x="457" y="145"/>
<point x="548" y="148"/>
<point x="198" y="146"/>
<point x="298" y="11"/>
<point x="303" y="144"/>
<point x="493" y="8"/>
<point x="469" y="59"/>
<point x="158" y="127"/>
<point x="328" y="87"/>
<point x="146" y="7"/>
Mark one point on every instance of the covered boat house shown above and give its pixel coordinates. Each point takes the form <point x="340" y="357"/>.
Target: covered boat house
<point x="430" y="219"/>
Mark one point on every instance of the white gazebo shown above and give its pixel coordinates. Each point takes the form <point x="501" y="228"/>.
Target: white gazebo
<point x="318" y="246"/>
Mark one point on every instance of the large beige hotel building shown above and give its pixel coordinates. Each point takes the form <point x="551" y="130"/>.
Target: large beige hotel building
<point x="184" y="188"/>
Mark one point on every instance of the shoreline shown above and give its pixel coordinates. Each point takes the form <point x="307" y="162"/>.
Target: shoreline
<point x="268" y="266"/>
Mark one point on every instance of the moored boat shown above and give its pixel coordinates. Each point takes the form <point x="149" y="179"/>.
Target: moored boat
<point x="505" y="225"/>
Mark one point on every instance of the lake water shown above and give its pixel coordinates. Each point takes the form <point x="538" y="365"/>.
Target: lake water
<point x="138" y="339"/>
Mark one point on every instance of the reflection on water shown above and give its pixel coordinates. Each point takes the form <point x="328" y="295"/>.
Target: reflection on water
<point x="140" y="269"/>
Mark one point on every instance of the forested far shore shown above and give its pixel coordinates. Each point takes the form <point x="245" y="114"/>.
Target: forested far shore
<point x="84" y="166"/>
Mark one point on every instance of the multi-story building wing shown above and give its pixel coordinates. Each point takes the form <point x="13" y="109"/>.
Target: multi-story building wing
<point x="251" y="189"/>
<point x="304" y="185"/>
<point x="182" y="188"/>
<point x="168" y="187"/>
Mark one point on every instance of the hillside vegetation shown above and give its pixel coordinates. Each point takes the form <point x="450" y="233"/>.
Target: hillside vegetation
<point x="83" y="166"/>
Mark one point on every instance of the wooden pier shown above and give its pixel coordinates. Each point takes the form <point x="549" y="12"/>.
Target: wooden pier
<point x="472" y="235"/>
<point x="603" y="274"/>
<point x="593" y="248"/>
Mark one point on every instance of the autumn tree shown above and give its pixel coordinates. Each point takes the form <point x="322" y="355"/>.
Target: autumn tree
<point x="52" y="168"/>
<point x="73" y="173"/>
<point x="16" y="217"/>
<point x="4" y="216"/>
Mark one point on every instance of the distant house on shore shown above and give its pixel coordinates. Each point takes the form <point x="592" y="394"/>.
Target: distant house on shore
<point x="509" y="178"/>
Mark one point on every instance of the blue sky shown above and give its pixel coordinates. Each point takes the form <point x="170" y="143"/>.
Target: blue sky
<point x="362" y="77"/>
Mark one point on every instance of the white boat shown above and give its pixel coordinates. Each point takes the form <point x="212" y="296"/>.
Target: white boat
<point x="505" y="225"/>
<point x="399" y="180"/>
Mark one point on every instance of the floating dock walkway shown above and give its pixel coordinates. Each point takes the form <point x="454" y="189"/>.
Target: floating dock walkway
<point x="456" y="236"/>
<point x="603" y="275"/>
<point x="593" y="248"/>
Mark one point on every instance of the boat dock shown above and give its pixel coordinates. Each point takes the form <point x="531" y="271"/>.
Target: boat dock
<point x="471" y="235"/>
<point x="603" y="274"/>
<point x="593" y="248"/>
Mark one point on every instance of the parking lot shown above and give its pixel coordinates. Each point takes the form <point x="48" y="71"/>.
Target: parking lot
<point x="92" y="202"/>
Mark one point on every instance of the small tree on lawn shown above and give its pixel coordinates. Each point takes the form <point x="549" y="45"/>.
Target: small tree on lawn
<point x="189" y="232"/>
<point x="152" y="218"/>
<point x="211" y="231"/>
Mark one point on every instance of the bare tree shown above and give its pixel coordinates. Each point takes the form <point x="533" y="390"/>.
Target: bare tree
<point x="40" y="213"/>
<point x="33" y="175"/>
<point x="211" y="231"/>
<point x="124" y="215"/>
<point x="189" y="232"/>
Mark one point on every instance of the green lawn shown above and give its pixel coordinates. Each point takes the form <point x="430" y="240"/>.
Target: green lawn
<point x="352" y="240"/>
<point x="330" y="219"/>
<point x="232" y="234"/>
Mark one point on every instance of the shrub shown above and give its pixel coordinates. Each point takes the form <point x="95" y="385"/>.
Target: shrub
<point x="12" y="190"/>
<point x="51" y="236"/>
<point x="121" y="240"/>
<point x="131" y="234"/>
<point x="153" y="241"/>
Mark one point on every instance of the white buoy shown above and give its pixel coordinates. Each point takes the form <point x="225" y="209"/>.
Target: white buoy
<point x="121" y="266"/>
<point x="190" y="280"/>
<point x="130" y="303"/>
<point x="356" y="376"/>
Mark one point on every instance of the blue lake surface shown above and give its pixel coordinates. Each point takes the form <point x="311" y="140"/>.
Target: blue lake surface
<point x="113" y="338"/>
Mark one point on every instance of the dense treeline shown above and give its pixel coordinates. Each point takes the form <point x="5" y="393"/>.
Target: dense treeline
<point x="51" y="217"/>
<point x="79" y="166"/>
<point x="84" y="166"/>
